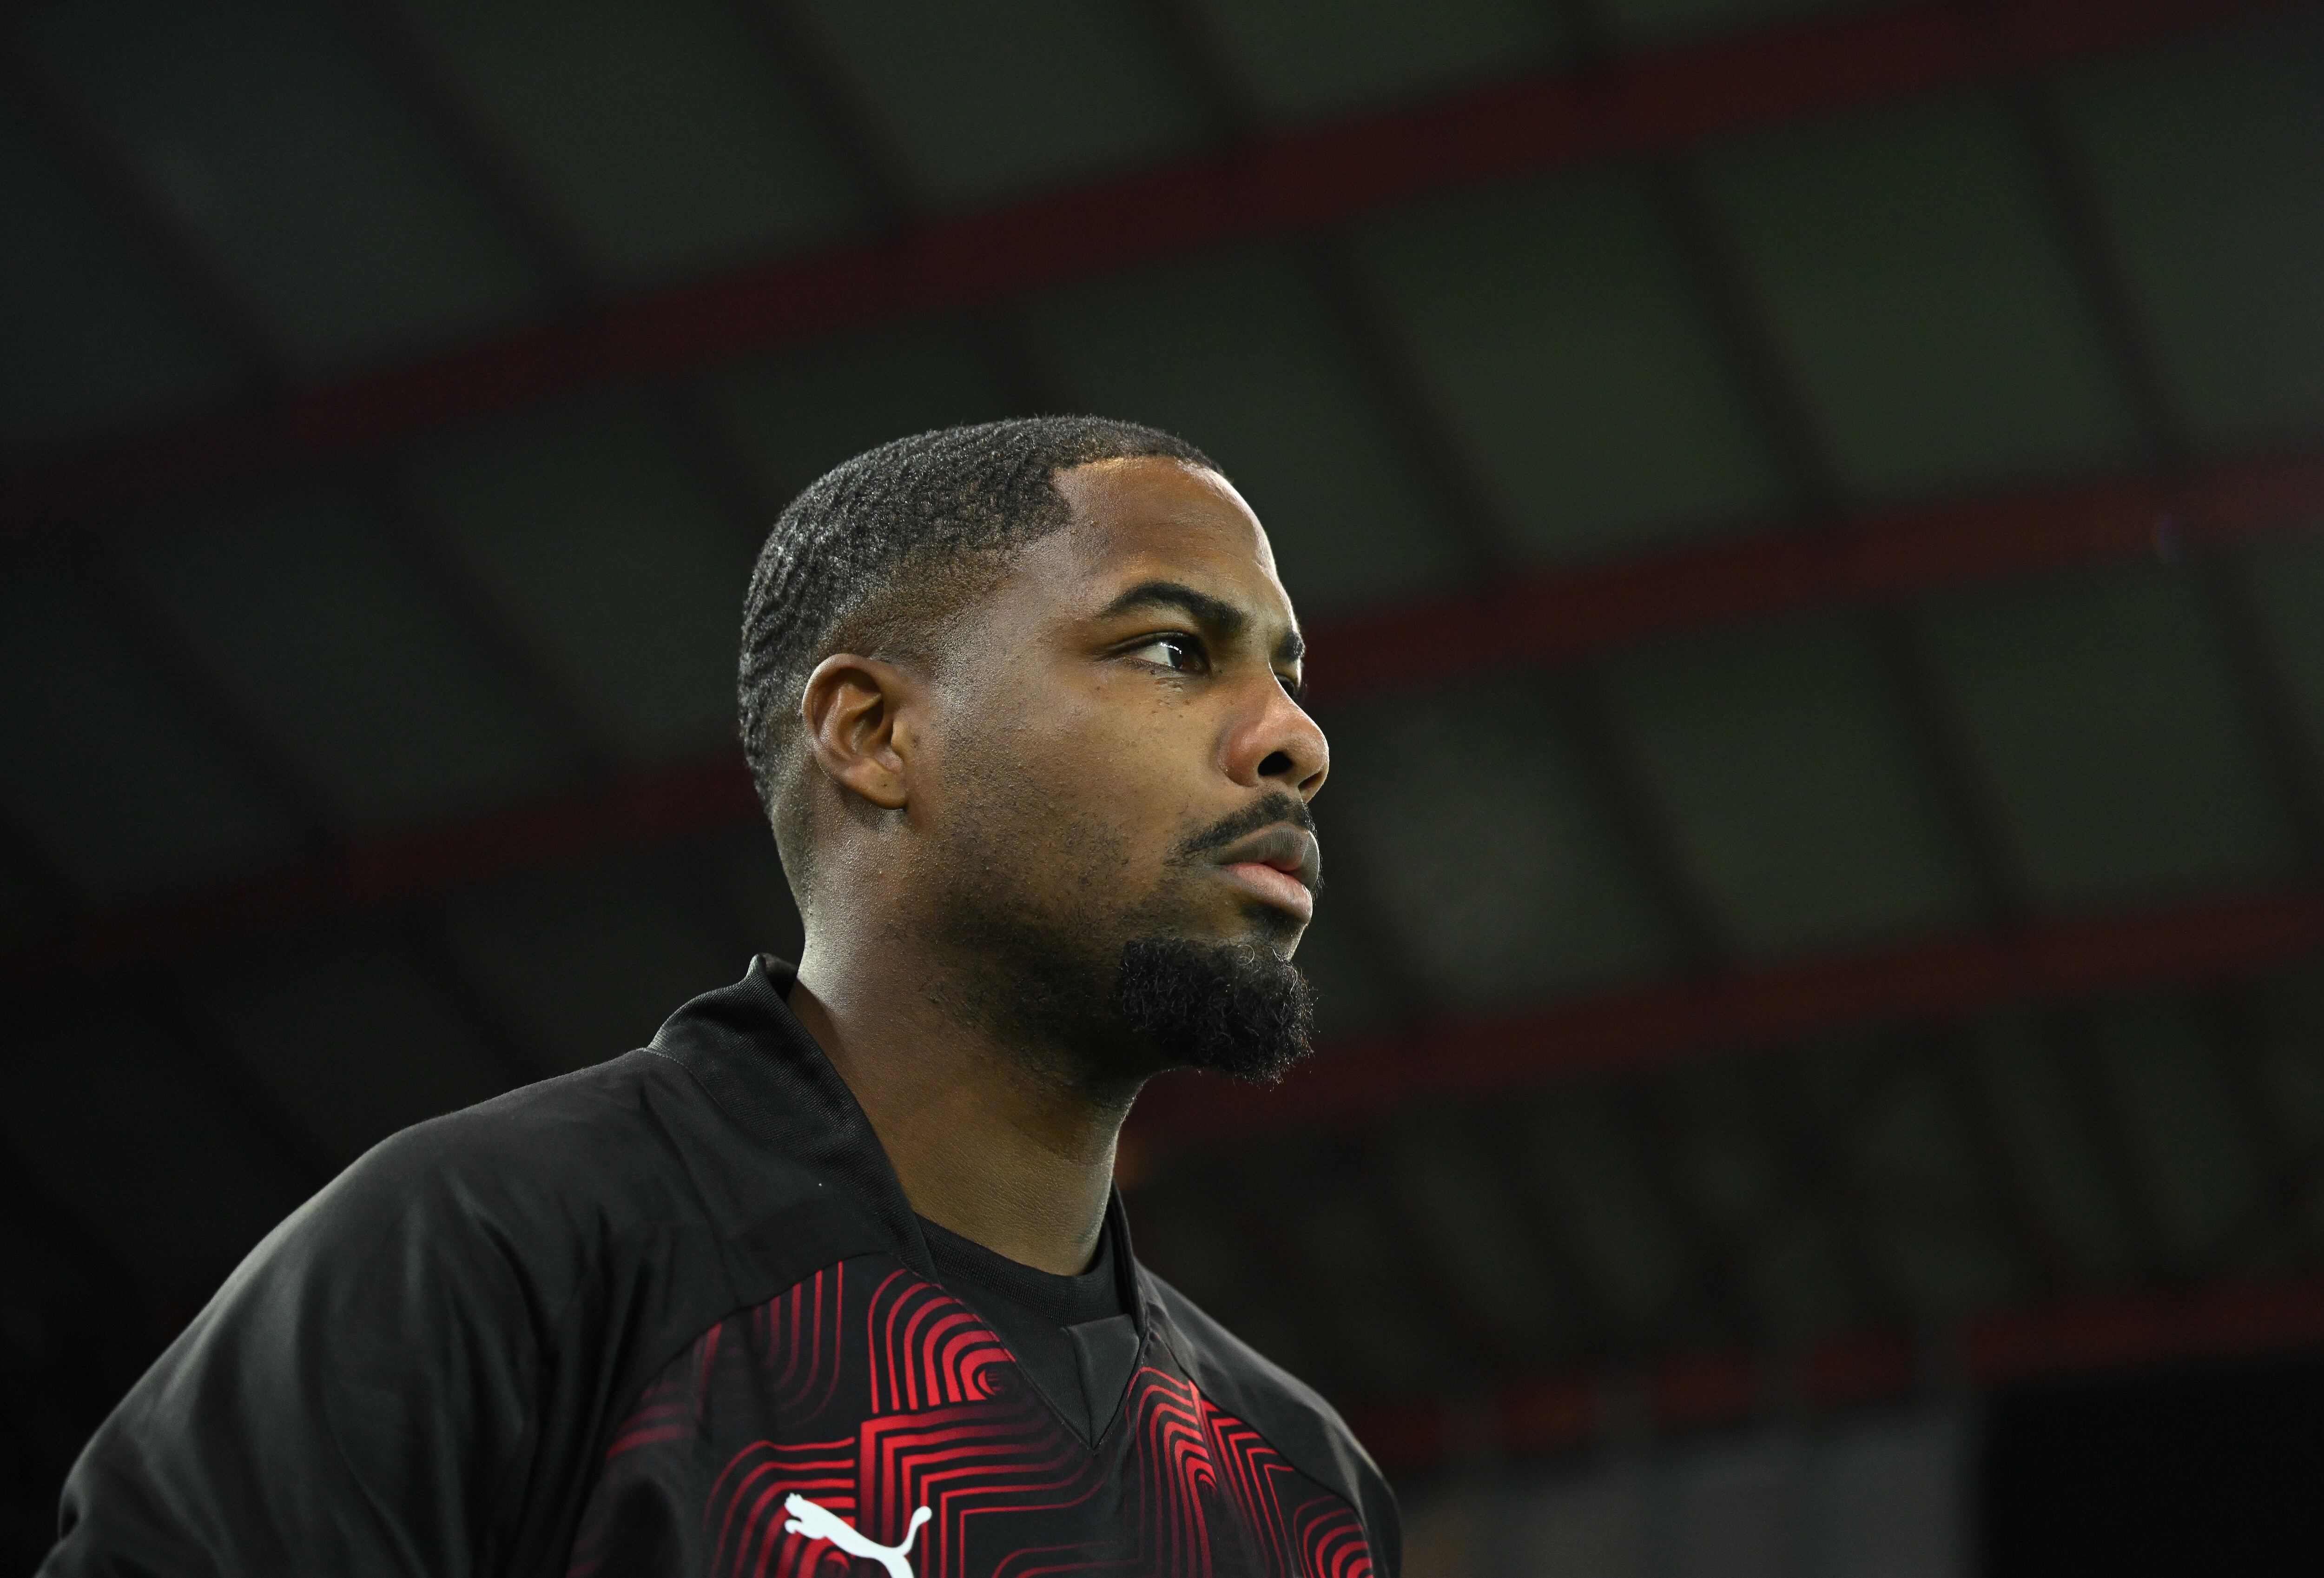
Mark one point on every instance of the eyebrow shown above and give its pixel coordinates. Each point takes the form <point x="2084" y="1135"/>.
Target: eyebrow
<point x="1221" y="618"/>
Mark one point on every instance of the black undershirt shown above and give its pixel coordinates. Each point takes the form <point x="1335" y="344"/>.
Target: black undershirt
<point x="1071" y="1335"/>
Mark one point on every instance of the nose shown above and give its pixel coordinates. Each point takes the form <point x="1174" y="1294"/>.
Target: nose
<point x="1279" y="747"/>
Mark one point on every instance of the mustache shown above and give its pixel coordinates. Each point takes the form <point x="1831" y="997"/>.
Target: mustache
<point x="1273" y="807"/>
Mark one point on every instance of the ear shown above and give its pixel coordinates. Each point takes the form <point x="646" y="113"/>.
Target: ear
<point x="857" y="714"/>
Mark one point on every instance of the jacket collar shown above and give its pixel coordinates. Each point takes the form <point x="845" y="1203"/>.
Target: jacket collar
<point x="771" y="1079"/>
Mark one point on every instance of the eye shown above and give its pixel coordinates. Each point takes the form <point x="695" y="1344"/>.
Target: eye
<point x="1181" y="654"/>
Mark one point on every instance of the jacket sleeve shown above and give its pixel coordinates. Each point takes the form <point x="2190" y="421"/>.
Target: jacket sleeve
<point x="353" y="1400"/>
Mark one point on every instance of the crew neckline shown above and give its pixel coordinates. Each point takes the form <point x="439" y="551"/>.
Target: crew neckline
<point x="1068" y="1300"/>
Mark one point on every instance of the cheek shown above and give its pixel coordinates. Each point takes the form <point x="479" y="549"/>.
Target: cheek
<point x="1155" y="741"/>
<point x="1082" y="795"/>
<point x="1145" y="774"/>
<point x="1125" y="742"/>
<point x="1049" y="807"/>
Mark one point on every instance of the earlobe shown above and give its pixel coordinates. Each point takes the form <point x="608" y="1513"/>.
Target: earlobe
<point x="854" y="709"/>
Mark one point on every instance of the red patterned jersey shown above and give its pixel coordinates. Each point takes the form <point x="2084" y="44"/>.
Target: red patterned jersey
<point x="673" y="1315"/>
<point x="872" y="1395"/>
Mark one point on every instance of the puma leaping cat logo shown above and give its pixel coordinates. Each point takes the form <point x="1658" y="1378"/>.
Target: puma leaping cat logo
<point x="821" y="1523"/>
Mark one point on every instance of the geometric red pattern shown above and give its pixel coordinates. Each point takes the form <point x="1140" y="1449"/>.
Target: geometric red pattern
<point x="870" y="1394"/>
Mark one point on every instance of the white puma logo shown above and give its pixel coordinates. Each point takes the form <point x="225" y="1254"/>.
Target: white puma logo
<point x="821" y="1523"/>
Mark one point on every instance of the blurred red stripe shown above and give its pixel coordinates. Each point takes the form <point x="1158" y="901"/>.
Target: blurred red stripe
<point x="2073" y="1339"/>
<point x="1549" y="620"/>
<point x="1292" y="182"/>
<point x="1940" y="981"/>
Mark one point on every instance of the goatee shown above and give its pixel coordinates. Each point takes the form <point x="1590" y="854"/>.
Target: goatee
<point x="1236" y="1009"/>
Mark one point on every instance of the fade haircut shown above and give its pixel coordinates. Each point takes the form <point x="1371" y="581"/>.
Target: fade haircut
<point x="881" y="554"/>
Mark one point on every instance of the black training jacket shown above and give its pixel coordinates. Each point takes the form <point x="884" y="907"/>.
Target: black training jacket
<point x="672" y="1315"/>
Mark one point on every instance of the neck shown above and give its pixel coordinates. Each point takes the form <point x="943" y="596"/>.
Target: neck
<point x="995" y="1141"/>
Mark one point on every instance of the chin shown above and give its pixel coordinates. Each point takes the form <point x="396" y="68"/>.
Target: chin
<point x="1237" y="1006"/>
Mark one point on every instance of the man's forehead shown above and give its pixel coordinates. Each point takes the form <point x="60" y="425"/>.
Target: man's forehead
<point x="1149" y="517"/>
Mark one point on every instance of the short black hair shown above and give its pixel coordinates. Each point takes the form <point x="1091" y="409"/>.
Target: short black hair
<point x="878" y="553"/>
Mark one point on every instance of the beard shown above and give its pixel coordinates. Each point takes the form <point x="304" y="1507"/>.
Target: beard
<point x="1118" y="992"/>
<point x="1238" y="1009"/>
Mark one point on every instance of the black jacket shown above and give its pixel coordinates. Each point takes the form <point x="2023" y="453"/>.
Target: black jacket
<point x="673" y="1315"/>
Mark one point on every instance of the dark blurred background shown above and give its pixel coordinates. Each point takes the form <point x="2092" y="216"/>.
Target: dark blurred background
<point x="1806" y="513"/>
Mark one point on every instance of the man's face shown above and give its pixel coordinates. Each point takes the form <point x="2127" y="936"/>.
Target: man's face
<point x="1117" y="762"/>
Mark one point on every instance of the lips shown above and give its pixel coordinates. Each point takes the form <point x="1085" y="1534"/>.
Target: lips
<point x="1281" y="865"/>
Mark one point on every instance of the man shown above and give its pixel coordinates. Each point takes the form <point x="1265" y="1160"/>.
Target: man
<point x="832" y="1277"/>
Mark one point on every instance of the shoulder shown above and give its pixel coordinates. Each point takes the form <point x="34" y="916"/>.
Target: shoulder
<point x="517" y="1203"/>
<point x="581" y="1131"/>
<point x="363" y="1380"/>
<point x="1293" y="1416"/>
<point x="606" y="1137"/>
<point x="478" y="1198"/>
